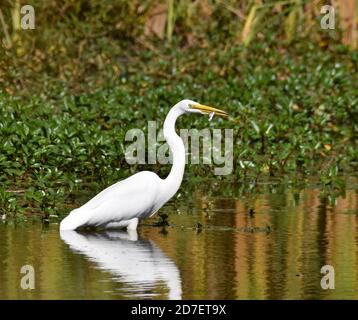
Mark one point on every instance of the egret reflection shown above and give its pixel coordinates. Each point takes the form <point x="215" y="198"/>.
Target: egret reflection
<point x="130" y="259"/>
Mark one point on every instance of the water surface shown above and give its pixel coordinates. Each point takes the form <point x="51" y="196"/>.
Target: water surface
<point x="268" y="246"/>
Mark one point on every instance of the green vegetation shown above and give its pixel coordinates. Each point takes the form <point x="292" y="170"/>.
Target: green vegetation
<point x="71" y="89"/>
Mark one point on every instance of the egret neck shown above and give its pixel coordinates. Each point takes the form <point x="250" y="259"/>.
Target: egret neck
<point x="173" y="181"/>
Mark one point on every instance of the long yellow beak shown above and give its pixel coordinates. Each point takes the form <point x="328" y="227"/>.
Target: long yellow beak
<point x="208" y="109"/>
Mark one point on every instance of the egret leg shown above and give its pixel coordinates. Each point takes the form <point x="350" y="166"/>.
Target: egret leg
<point x="117" y="225"/>
<point x="129" y="224"/>
<point x="132" y="224"/>
<point x="130" y="235"/>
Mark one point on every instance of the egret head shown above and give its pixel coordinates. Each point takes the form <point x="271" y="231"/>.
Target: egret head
<point x="190" y="106"/>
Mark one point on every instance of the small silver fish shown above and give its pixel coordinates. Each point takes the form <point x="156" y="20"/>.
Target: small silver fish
<point x="211" y="116"/>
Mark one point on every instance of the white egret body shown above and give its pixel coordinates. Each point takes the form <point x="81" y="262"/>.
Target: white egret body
<point x="144" y="193"/>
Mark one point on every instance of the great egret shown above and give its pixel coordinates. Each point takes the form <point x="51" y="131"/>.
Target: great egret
<point x="144" y="193"/>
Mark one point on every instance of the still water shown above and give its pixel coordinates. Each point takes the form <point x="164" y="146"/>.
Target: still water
<point x="268" y="246"/>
